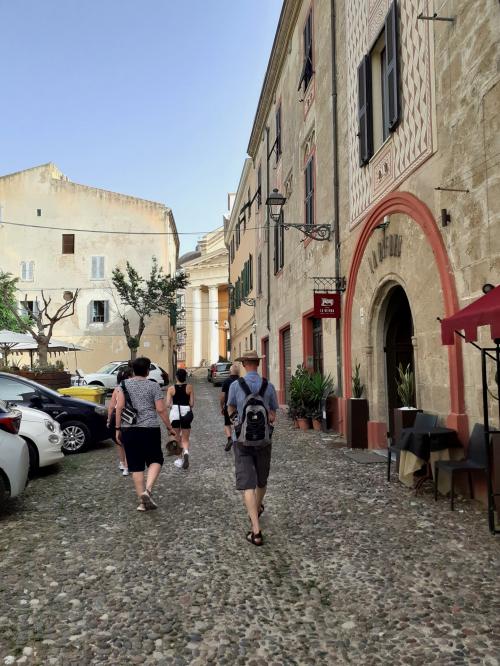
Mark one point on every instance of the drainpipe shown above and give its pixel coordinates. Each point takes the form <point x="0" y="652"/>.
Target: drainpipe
<point x="268" y="239"/>
<point x="336" y="206"/>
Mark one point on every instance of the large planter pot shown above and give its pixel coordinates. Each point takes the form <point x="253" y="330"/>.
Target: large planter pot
<point x="403" y="418"/>
<point x="53" y="379"/>
<point x="316" y="423"/>
<point x="304" y="424"/>
<point x="357" y="423"/>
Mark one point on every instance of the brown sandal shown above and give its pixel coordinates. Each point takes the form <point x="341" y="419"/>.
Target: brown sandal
<point x="255" y="539"/>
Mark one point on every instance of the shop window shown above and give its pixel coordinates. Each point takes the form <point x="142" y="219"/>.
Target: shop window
<point x="317" y="344"/>
<point x="378" y="89"/>
<point x="309" y="191"/>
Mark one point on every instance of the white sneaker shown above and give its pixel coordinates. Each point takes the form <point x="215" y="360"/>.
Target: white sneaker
<point x="121" y="466"/>
<point x="125" y="471"/>
<point x="178" y="463"/>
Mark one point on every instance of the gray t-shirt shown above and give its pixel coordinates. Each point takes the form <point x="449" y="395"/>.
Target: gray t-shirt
<point x="143" y="394"/>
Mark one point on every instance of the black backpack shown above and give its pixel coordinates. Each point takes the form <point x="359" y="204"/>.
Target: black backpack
<point x="254" y="429"/>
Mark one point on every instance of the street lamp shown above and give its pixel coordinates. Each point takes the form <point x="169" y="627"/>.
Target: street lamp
<point x="275" y="202"/>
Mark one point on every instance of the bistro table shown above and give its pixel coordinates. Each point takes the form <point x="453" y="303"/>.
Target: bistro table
<point x="419" y="448"/>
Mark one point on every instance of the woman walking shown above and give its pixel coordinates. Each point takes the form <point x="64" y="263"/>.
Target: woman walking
<point x="141" y="402"/>
<point x="180" y="399"/>
<point x="122" y="465"/>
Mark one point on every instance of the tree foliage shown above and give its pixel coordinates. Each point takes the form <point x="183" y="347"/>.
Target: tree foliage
<point x="8" y="303"/>
<point x="155" y="295"/>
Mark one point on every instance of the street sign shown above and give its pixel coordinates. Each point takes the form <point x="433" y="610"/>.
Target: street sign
<point x="326" y="306"/>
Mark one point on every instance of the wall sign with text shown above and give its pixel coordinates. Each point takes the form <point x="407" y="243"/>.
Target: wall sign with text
<point x="326" y="306"/>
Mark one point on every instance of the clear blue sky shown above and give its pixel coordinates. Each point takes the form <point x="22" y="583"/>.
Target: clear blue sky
<point x="153" y="98"/>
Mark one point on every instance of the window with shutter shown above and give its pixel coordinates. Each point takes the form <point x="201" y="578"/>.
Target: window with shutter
<point x="391" y="69"/>
<point x="281" y="260"/>
<point x="68" y="243"/>
<point x="364" y="111"/>
<point x="97" y="268"/>
<point x="279" y="148"/>
<point x="309" y="191"/>
<point x="27" y="271"/>
<point x="98" y="312"/>
<point x="259" y="187"/>
<point x="259" y="274"/>
<point x="276" y="248"/>
<point x="307" y="63"/>
<point x="250" y="273"/>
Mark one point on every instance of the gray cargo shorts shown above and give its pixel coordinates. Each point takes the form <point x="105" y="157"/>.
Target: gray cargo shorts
<point x="252" y="466"/>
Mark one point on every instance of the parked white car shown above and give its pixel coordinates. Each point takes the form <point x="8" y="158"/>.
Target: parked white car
<point x="106" y="376"/>
<point x="14" y="456"/>
<point x="43" y="435"/>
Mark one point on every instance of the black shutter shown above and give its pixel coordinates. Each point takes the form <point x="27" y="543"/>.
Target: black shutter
<point x="392" y="80"/>
<point x="276" y="247"/>
<point x="364" y="111"/>
<point x="282" y="243"/>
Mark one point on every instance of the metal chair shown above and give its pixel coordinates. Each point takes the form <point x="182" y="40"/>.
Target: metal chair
<point x="477" y="459"/>
<point x="423" y="421"/>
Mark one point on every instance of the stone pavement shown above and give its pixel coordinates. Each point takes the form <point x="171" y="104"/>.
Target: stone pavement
<point x="354" y="570"/>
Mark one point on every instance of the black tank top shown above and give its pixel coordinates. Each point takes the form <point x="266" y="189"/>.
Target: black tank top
<point x="180" y="396"/>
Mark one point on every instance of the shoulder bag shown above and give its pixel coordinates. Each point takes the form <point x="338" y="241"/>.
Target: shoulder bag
<point x="129" y="414"/>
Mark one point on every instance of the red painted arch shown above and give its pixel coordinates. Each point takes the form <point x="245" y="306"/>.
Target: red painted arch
<point x="408" y="204"/>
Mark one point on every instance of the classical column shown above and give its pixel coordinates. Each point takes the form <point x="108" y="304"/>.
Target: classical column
<point x="196" y="327"/>
<point x="214" y="323"/>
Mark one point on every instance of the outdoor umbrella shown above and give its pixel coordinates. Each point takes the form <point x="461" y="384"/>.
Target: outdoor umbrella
<point x="483" y="312"/>
<point x="55" y="346"/>
<point x="9" y="340"/>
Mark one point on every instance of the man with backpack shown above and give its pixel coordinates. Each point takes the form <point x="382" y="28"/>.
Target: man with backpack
<point x="254" y="400"/>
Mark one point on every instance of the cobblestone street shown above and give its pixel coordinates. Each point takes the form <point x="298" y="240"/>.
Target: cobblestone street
<point x="353" y="571"/>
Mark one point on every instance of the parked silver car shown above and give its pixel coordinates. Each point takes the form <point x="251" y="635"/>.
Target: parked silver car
<point x="220" y="373"/>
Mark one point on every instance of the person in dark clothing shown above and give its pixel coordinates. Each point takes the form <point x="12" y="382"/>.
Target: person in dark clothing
<point x="142" y="439"/>
<point x="180" y="399"/>
<point x="228" y="427"/>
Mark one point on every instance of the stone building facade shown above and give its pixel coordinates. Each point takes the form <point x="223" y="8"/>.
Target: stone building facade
<point x="291" y="149"/>
<point x="240" y="237"/>
<point x="203" y="330"/>
<point x="406" y="104"/>
<point x="48" y="255"/>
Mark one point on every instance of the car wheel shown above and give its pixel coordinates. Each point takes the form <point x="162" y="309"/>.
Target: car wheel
<point x="76" y="436"/>
<point x="4" y="489"/>
<point x="34" y="457"/>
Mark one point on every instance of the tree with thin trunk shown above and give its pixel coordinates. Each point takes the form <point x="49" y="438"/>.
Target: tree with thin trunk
<point x="39" y="323"/>
<point x="155" y="295"/>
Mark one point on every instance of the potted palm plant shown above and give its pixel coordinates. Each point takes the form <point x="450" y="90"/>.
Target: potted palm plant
<point x="404" y="416"/>
<point x="321" y="388"/>
<point x="357" y="413"/>
<point x="300" y="397"/>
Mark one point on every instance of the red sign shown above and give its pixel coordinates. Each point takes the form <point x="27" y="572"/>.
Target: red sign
<point x="326" y="305"/>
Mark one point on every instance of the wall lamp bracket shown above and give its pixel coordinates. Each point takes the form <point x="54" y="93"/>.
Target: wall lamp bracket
<point x="435" y="17"/>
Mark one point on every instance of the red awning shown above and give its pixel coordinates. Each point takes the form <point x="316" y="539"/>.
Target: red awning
<point x="483" y="312"/>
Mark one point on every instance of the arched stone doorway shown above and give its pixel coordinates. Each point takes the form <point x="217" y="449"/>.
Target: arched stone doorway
<point x="398" y="346"/>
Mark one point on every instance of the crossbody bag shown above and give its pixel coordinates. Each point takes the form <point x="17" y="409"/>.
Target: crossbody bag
<point x="129" y="413"/>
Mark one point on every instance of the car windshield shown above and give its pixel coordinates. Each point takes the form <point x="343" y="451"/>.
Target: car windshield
<point x="107" y="369"/>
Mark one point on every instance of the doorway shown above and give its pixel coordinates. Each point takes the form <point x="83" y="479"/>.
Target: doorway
<point x="398" y="345"/>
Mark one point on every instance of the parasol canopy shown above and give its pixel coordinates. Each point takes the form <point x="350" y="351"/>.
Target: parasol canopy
<point x="483" y="312"/>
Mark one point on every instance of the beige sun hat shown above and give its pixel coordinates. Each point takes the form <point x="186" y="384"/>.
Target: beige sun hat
<point x="249" y="356"/>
